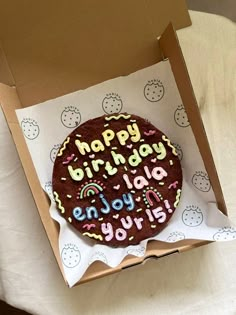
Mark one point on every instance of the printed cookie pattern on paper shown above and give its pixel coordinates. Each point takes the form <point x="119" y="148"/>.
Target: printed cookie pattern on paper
<point x="70" y="255"/>
<point x="225" y="234"/>
<point x="53" y="152"/>
<point x="154" y="90"/>
<point x="175" y="237"/>
<point x="30" y="128"/>
<point x="139" y="251"/>
<point x="192" y="216"/>
<point x="98" y="256"/>
<point x="48" y="189"/>
<point x="201" y="181"/>
<point x="179" y="151"/>
<point x="112" y="103"/>
<point x="181" y="117"/>
<point x="71" y="117"/>
<point x="117" y="179"/>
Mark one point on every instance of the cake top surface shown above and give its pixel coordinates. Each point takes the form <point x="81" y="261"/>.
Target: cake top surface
<point x="117" y="179"/>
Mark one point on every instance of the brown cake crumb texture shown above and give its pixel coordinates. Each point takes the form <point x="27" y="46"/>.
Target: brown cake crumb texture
<point x="117" y="179"/>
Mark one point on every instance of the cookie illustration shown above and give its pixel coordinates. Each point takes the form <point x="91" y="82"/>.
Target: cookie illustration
<point x="117" y="179"/>
<point x="98" y="256"/>
<point x="225" y="234"/>
<point x="70" y="255"/>
<point x="70" y="117"/>
<point x="53" y="152"/>
<point x="179" y="151"/>
<point x="175" y="237"/>
<point x="201" y="181"/>
<point x="181" y="117"/>
<point x="154" y="91"/>
<point x="48" y="189"/>
<point x="30" y="128"/>
<point x="112" y="103"/>
<point x="139" y="252"/>
<point x="192" y="216"/>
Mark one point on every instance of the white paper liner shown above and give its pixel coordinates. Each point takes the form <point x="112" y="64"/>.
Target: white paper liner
<point x="46" y="126"/>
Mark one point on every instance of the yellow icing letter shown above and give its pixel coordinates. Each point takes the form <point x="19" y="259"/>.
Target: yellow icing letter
<point x="96" y="146"/>
<point x="82" y="146"/>
<point x="134" y="132"/>
<point x="76" y="174"/>
<point x="145" y="150"/>
<point x="160" y="149"/>
<point x="108" y="135"/>
<point x="122" y="136"/>
<point x="110" y="170"/>
<point x="118" y="158"/>
<point x="96" y="163"/>
<point x="135" y="159"/>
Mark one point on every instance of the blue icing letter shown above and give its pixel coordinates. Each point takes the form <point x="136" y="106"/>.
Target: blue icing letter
<point x="91" y="213"/>
<point x="117" y="204"/>
<point x="129" y="201"/>
<point x="77" y="213"/>
<point x="107" y="208"/>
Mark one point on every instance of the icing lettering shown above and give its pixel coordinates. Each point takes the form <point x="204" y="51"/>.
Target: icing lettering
<point x="128" y="201"/>
<point x="140" y="182"/>
<point x="96" y="146"/>
<point x="135" y="159"/>
<point x="159" y="173"/>
<point x="76" y="174"/>
<point x="138" y="222"/>
<point x="128" y="183"/>
<point x="96" y="163"/>
<point x="91" y="213"/>
<point x="118" y="158"/>
<point x="77" y="213"/>
<point x="117" y="204"/>
<point x="145" y="150"/>
<point x="126" y="222"/>
<point x="82" y="146"/>
<point x="108" y="135"/>
<point x="105" y="203"/>
<point x="160" y="149"/>
<point x="110" y="170"/>
<point x="134" y="132"/>
<point x="120" y="234"/>
<point x="107" y="229"/>
<point x="122" y="136"/>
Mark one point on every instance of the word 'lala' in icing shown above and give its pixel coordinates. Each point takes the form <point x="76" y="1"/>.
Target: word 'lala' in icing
<point x="108" y="135"/>
<point x="158" y="173"/>
<point x="134" y="160"/>
<point x="92" y="212"/>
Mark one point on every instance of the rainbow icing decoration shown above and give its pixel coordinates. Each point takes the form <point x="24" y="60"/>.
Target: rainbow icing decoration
<point x="90" y="188"/>
<point x="149" y="194"/>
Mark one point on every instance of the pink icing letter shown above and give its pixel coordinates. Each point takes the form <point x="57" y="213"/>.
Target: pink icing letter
<point x="127" y="222"/>
<point x="158" y="173"/>
<point x="121" y="234"/>
<point x="107" y="230"/>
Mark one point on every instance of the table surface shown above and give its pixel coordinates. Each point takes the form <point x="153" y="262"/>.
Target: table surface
<point x="200" y="281"/>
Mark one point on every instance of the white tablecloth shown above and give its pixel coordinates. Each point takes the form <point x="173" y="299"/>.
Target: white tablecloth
<point x="200" y="281"/>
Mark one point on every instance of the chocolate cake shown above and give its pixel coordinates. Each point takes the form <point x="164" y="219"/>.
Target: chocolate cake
<point x="117" y="179"/>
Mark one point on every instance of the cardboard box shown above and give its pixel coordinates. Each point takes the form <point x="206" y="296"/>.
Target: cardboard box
<point x="51" y="50"/>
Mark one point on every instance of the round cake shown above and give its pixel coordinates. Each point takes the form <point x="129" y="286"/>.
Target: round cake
<point x="117" y="179"/>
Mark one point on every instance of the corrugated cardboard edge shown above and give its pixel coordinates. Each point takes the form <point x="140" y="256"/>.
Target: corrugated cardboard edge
<point x="170" y="48"/>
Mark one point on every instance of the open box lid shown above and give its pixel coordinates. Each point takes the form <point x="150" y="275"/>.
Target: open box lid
<point x="51" y="49"/>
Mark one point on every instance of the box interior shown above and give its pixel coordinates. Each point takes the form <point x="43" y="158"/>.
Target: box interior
<point x="56" y="49"/>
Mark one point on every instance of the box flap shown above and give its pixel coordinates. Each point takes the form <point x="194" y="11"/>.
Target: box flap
<point x="171" y="49"/>
<point x="55" y="47"/>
